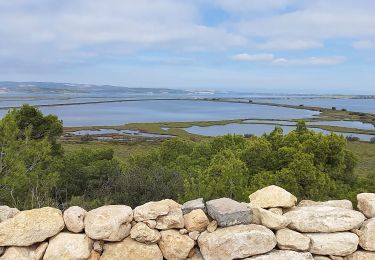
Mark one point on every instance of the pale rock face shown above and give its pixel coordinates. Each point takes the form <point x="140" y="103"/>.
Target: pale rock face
<point x="98" y="246"/>
<point x="272" y="197"/>
<point x="195" y="254"/>
<point x="174" y="219"/>
<point x="367" y="235"/>
<point x="323" y="219"/>
<point x="188" y="206"/>
<point x="337" y="244"/>
<point x="283" y="255"/>
<point x="320" y="257"/>
<point x="366" y="204"/>
<point x="150" y="223"/>
<point x="291" y="240"/>
<point x="73" y="218"/>
<point x="278" y="211"/>
<point x="234" y="242"/>
<point x="183" y="231"/>
<point x="361" y="255"/>
<point x="109" y="223"/>
<point x="68" y="246"/>
<point x="196" y="220"/>
<point x="31" y="226"/>
<point x="131" y="249"/>
<point x="154" y="209"/>
<point x="194" y="235"/>
<point x="7" y="212"/>
<point x="270" y="220"/>
<point x="94" y="255"/>
<point x="228" y="212"/>
<point x="142" y="233"/>
<point x="34" y="252"/>
<point x="345" y="204"/>
<point x="174" y="245"/>
<point x="212" y="226"/>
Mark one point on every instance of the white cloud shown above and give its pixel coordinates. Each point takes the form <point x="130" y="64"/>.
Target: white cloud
<point x="309" y="61"/>
<point x="253" y="57"/>
<point x="290" y="44"/>
<point x="364" y="44"/>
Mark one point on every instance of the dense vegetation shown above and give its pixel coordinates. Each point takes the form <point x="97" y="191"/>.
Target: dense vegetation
<point x="35" y="171"/>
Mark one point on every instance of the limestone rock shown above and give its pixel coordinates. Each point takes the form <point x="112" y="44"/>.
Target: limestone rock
<point x="367" y="235"/>
<point x="131" y="249"/>
<point x="150" y="223"/>
<point x="228" y="212"/>
<point x="154" y="209"/>
<point x="7" y="212"/>
<point x="337" y="244"/>
<point x="234" y="242"/>
<point x="183" y="231"/>
<point x="98" y="246"/>
<point x="194" y="235"/>
<point x="361" y="255"/>
<point x="73" y="218"/>
<point x="323" y="219"/>
<point x="142" y="233"/>
<point x="34" y="252"/>
<point x="345" y="204"/>
<point x="212" y="226"/>
<point x="291" y="240"/>
<point x="31" y="226"/>
<point x="283" y="255"/>
<point x="174" y="245"/>
<point x="68" y="246"/>
<point x="94" y="255"/>
<point x="196" y="220"/>
<point x="174" y="219"/>
<point x="110" y="223"/>
<point x="195" y="254"/>
<point x="272" y="197"/>
<point x="278" y="211"/>
<point x="270" y="220"/>
<point x="320" y="257"/>
<point x="188" y="206"/>
<point x="366" y="204"/>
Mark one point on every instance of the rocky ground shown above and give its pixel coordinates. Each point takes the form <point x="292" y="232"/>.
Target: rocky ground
<point x="271" y="227"/>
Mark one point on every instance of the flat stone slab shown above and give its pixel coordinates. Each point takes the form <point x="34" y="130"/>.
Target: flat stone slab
<point x="191" y="205"/>
<point x="228" y="212"/>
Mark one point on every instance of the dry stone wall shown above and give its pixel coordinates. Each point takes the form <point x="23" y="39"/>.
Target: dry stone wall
<point x="271" y="226"/>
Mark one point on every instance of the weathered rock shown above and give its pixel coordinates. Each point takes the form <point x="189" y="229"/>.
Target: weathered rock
<point x="150" y="223"/>
<point x="345" y="204"/>
<point x="228" y="212"/>
<point x="110" y="223"/>
<point x="272" y="197"/>
<point x="31" y="226"/>
<point x="320" y="257"/>
<point x="283" y="255"/>
<point x="212" y="226"/>
<point x="34" y="252"/>
<point x="367" y="235"/>
<point x="154" y="209"/>
<point x="191" y="205"/>
<point x="196" y="220"/>
<point x="7" y="212"/>
<point x="194" y="235"/>
<point x="278" y="211"/>
<point x="142" y="233"/>
<point x="291" y="240"/>
<point x="183" y="231"/>
<point x="366" y="204"/>
<point x="174" y="219"/>
<point x="323" y="219"/>
<point x="174" y="245"/>
<point x="269" y="219"/>
<point x="131" y="249"/>
<point x="98" y="246"/>
<point x="234" y="242"/>
<point x="94" y="255"/>
<point x="337" y="244"/>
<point x="195" y="254"/>
<point x="334" y="257"/>
<point x="361" y="255"/>
<point x="69" y="246"/>
<point x="73" y="218"/>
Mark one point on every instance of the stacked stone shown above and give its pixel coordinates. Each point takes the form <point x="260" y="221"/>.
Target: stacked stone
<point x="270" y="227"/>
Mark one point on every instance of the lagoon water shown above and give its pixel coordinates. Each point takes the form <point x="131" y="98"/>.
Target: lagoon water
<point x="110" y="114"/>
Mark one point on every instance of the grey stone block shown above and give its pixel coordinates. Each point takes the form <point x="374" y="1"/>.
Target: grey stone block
<point x="228" y="212"/>
<point x="191" y="205"/>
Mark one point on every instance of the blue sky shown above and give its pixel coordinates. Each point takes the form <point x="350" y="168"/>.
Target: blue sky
<point x="320" y="46"/>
